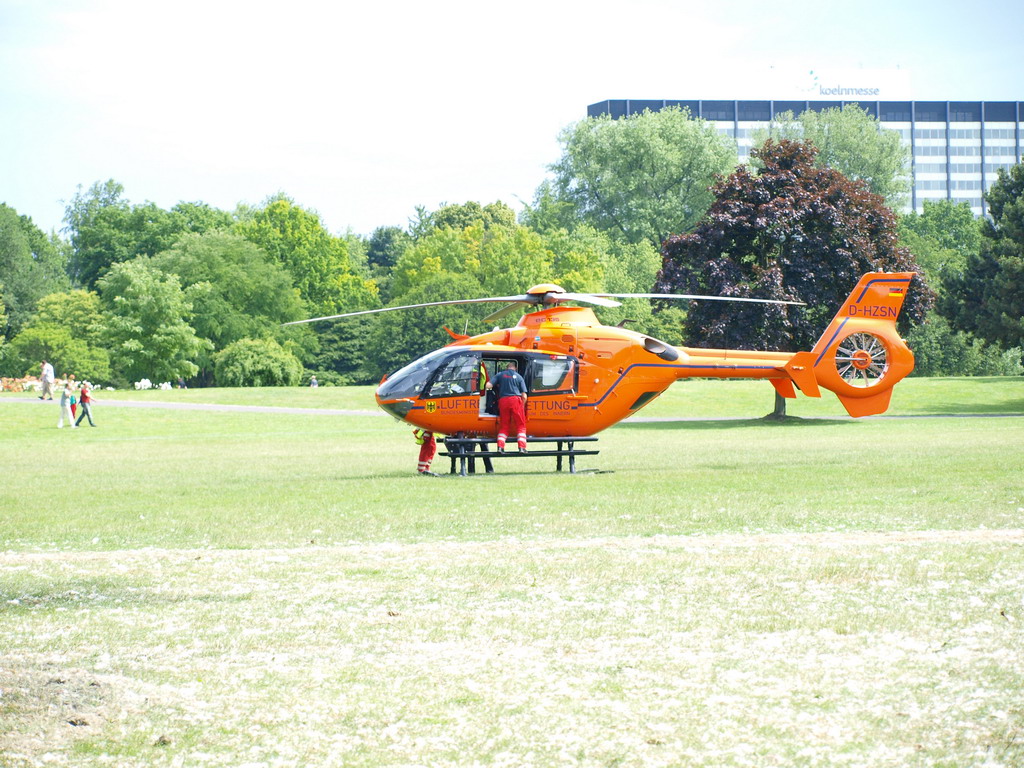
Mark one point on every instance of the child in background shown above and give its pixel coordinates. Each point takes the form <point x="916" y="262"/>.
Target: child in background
<point x="66" y="398"/>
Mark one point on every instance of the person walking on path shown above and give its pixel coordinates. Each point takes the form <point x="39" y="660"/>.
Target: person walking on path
<point x="46" y="379"/>
<point x="511" y="406"/>
<point x="67" y="396"/>
<point x="85" y="400"/>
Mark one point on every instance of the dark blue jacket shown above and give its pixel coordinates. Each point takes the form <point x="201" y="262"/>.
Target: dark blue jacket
<point x="509" y="383"/>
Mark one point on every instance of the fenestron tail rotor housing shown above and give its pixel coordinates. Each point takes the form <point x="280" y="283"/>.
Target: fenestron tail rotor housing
<point x="862" y="359"/>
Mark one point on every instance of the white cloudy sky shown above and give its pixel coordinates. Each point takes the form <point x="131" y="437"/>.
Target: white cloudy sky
<point x="364" y="111"/>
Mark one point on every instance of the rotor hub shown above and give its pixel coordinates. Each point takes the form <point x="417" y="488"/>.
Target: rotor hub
<point x="862" y="360"/>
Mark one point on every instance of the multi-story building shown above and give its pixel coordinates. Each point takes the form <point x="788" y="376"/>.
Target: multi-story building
<point x="956" y="147"/>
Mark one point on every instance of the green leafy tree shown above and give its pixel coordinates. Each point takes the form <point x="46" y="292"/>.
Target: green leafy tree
<point x="794" y="231"/>
<point x="257" y="363"/>
<point x="79" y="311"/>
<point x="386" y="245"/>
<point x="106" y="229"/>
<point x="462" y="216"/>
<point x="397" y="338"/>
<point x="59" y="345"/>
<point x="145" y="323"/>
<point x="504" y="260"/>
<point x="318" y="262"/>
<point x="200" y="218"/>
<point x="357" y="246"/>
<point x="853" y="142"/>
<point x="987" y="298"/>
<point x="65" y="331"/>
<point x="641" y="177"/>
<point x="942" y="237"/>
<point x="590" y="261"/>
<point x="3" y="324"/>
<point x="236" y="291"/>
<point x="941" y="351"/>
<point x="31" y="266"/>
<point x="549" y="213"/>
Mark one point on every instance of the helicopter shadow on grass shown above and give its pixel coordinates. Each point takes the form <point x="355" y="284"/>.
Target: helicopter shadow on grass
<point x="786" y="422"/>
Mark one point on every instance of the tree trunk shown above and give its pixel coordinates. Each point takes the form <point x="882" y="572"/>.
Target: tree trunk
<point x="780" y="408"/>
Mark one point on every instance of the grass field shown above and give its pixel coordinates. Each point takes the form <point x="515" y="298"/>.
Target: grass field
<point x="203" y="587"/>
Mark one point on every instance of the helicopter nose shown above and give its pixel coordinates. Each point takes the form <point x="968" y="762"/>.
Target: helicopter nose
<point x="397" y="408"/>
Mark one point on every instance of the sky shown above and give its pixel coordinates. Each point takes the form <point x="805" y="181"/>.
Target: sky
<point x="364" y="111"/>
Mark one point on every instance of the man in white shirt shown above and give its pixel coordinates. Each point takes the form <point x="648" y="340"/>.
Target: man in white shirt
<point x="47" y="381"/>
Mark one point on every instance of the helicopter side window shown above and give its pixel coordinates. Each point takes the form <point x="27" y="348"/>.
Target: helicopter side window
<point x="458" y="376"/>
<point x="552" y="374"/>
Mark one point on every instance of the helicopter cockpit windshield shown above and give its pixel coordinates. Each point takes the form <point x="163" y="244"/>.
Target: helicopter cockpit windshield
<point x="410" y="380"/>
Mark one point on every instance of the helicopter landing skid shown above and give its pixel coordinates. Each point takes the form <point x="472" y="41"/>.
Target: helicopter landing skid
<point x="466" y="450"/>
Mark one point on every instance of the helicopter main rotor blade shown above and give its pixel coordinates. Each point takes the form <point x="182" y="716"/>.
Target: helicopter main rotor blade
<point x="407" y="306"/>
<point x="598" y="299"/>
<point x="697" y="297"/>
<point x="498" y="314"/>
<point x="546" y="298"/>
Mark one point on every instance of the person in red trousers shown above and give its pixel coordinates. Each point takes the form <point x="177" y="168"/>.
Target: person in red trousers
<point x="511" y="406"/>
<point x="428" y="449"/>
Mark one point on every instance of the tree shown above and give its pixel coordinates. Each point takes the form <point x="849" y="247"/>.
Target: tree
<point x="3" y="323"/>
<point x="106" y="229"/>
<point x="397" y="338"/>
<point x="257" y="363"/>
<point x="200" y="218"/>
<point x="31" y="266"/>
<point x="63" y="330"/>
<point x="641" y="177"/>
<point x="941" y="238"/>
<point x="794" y="231"/>
<point x="236" y="291"/>
<point x="853" y="142"/>
<point x="590" y="261"/>
<point x="504" y="260"/>
<point x="318" y="262"/>
<point x="77" y="310"/>
<point x="58" y="344"/>
<point x="385" y="246"/>
<point x="987" y="298"/>
<point x="145" y="324"/>
<point x="941" y="351"/>
<point x="455" y="216"/>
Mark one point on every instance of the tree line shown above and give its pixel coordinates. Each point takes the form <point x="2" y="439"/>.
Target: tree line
<point x="654" y="201"/>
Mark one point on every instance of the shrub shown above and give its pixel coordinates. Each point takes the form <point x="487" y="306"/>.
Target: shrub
<point x="256" y="363"/>
<point x="67" y="352"/>
<point x="941" y="351"/>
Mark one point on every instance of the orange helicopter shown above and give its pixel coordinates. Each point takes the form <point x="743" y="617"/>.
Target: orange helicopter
<point x="583" y="376"/>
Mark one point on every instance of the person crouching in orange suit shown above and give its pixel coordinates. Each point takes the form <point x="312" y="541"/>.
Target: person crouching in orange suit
<point x="428" y="449"/>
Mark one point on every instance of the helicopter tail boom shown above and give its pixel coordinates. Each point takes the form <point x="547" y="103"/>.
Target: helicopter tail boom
<point x="860" y="356"/>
